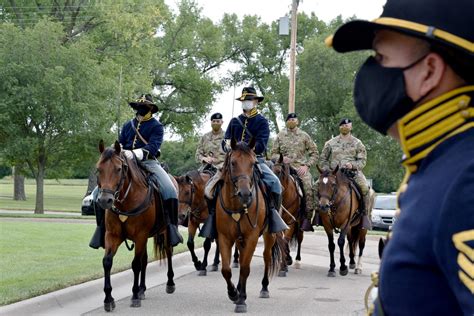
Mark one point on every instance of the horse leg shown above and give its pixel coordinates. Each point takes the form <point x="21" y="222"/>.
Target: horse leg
<point x="190" y="244"/>
<point x="207" y="246"/>
<point x="215" y="265"/>
<point x="235" y="264"/>
<point x="225" y="247"/>
<point x="137" y="264"/>
<point x="358" y="269"/>
<point x="245" y="259"/>
<point x="288" y="236"/>
<point x="298" y="249"/>
<point x="142" y="288"/>
<point x="170" y="286"/>
<point x="331" y="247"/>
<point x="268" y="241"/>
<point x="343" y="270"/>
<point x="351" y="240"/>
<point x="111" y="245"/>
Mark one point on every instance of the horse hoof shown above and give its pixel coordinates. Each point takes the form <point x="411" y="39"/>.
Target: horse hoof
<point x="282" y="273"/>
<point x="343" y="271"/>
<point x="240" y="308"/>
<point x="136" y="302"/>
<point x="170" y="289"/>
<point x="352" y="266"/>
<point x="264" y="294"/>
<point x="297" y="264"/>
<point x="235" y="265"/>
<point x="141" y="295"/>
<point x="110" y="306"/>
<point x="233" y="297"/>
<point x="332" y="274"/>
<point x="214" y="268"/>
<point x="197" y="265"/>
<point x="358" y="271"/>
<point x="202" y="272"/>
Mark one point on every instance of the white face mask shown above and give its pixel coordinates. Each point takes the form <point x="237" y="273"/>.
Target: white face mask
<point x="247" y="105"/>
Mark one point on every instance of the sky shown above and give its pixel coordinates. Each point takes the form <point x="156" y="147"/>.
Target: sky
<point x="269" y="11"/>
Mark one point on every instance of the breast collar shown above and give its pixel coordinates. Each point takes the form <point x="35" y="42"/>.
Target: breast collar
<point x="427" y="126"/>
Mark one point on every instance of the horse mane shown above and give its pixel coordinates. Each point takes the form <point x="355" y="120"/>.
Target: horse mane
<point x="133" y="168"/>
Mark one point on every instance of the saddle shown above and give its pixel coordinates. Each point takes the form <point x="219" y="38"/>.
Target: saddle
<point x="298" y="182"/>
<point x="350" y="174"/>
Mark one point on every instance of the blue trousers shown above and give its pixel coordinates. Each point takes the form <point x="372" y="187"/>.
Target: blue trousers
<point x="271" y="180"/>
<point x="167" y="188"/>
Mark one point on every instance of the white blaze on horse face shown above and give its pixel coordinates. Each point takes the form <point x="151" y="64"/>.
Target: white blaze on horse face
<point x="325" y="180"/>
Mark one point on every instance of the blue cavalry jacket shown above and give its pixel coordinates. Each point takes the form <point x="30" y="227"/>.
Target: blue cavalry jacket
<point x="152" y="132"/>
<point x="428" y="265"/>
<point x="255" y="125"/>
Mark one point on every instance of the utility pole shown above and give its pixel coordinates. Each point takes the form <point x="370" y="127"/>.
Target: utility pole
<point x="291" y="99"/>
<point x="119" y="99"/>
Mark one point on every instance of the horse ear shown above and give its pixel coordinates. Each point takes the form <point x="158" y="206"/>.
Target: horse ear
<point x="233" y="143"/>
<point x="319" y="169"/>
<point x="117" y="147"/>
<point x="101" y="146"/>
<point x="280" y="160"/>
<point x="188" y="179"/>
<point x="335" y="170"/>
<point x="252" y="143"/>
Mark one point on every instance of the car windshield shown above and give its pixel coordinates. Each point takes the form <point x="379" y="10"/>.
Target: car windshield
<point x="386" y="202"/>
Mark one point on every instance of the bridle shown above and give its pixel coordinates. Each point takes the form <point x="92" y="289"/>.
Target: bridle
<point x="123" y="175"/>
<point x="235" y="179"/>
<point x="332" y="197"/>
<point x="194" y="211"/>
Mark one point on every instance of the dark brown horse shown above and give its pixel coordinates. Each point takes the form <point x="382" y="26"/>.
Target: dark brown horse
<point x="241" y="219"/>
<point x="339" y="207"/>
<point x="133" y="211"/>
<point x="293" y="209"/>
<point x="192" y="212"/>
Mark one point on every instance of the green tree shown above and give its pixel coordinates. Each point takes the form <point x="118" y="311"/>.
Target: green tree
<point x="178" y="156"/>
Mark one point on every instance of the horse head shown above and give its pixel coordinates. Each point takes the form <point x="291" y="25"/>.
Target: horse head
<point x="186" y="196"/>
<point x="239" y="167"/>
<point x="281" y="169"/>
<point x="327" y="188"/>
<point x="112" y="169"/>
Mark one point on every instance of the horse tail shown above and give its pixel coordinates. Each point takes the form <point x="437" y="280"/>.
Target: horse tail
<point x="278" y="254"/>
<point x="159" y="247"/>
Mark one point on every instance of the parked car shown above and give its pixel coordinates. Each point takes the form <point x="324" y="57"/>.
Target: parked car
<point x="383" y="213"/>
<point x="86" y="207"/>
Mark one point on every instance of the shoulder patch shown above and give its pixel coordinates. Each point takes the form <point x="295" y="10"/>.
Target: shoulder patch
<point x="464" y="243"/>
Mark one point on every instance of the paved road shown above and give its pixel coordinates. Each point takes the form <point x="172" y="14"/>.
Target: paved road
<point x="305" y="291"/>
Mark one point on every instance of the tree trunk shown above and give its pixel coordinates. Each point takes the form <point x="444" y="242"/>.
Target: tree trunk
<point x="18" y="185"/>
<point x="39" y="208"/>
<point x="92" y="183"/>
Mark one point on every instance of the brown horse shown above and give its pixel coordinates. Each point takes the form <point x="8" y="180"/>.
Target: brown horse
<point x="241" y="219"/>
<point x="193" y="211"/>
<point x="293" y="209"/>
<point x="339" y="207"/>
<point x="133" y="211"/>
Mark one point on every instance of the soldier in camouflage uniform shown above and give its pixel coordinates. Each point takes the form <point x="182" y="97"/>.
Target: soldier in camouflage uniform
<point x="348" y="152"/>
<point x="209" y="151"/>
<point x="299" y="150"/>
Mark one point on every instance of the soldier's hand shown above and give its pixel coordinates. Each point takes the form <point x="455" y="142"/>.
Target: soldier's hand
<point x="302" y="170"/>
<point x="207" y="160"/>
<point x="286" y="160"/>
<point x="128" y="154"/>
<point x="348" y="165"/>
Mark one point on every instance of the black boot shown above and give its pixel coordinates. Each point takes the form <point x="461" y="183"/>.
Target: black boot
<point x="306" y="225"/>
<point x="171" y="208"/>
<point x="209" y="230"/>
<point x="98" y="239"/>
<point x="276" y="223"/>
<point x="366" y="221"/>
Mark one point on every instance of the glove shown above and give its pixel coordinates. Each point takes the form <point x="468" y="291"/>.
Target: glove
<point x="129" y="154"/>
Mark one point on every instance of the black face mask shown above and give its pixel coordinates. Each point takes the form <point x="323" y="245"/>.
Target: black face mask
<point x="380" y="96"/>
<point x="143" y="110"/>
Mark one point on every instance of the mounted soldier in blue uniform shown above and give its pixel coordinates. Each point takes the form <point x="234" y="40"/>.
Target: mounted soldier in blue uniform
<point x="141" y="137"/>
<point x="249" y="124"/>
<point x="419" y="89"/>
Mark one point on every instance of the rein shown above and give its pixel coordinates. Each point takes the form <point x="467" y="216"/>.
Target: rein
<point x="196" y="211"/>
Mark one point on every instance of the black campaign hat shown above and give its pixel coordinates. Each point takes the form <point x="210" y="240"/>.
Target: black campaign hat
<point x="445" y="22"/>
<point x="216" y="116"/>
<point x="144" y="99"/>
<point x="249" y="93"/>
<point x="291" y="115"/>
<point x="345" y="121"/>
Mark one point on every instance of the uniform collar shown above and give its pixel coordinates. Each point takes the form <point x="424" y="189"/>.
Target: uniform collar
<point x="430" y="124"/>
<point x="147" y="117"/>
<point x="294" y="130"/>
<point x="252" y="113"/>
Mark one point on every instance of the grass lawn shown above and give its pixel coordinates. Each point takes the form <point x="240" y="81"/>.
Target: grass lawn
<point x="40" y="257"/>
<point x="59" y="195"/>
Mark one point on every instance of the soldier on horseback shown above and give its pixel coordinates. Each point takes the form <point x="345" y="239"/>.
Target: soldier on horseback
<point x="348" y="152"/>
<point x="142" y="137"/>
<point x="299" y="150"/>
<point x="250" y="124"/>
<point x="209" y="152"/>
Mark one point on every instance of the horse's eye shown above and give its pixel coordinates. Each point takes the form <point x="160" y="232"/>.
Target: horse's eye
<point x="119" y="169"/>
<point x="232" y="163"/>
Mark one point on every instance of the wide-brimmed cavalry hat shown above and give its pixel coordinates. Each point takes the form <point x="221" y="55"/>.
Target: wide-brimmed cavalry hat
<point x="216" y="116"/>
<point x="249" y="93"/>
<point x="144" y="99"/>
<point x="443" y="22"/>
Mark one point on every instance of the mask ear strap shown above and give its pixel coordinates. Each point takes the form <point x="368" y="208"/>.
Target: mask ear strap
<point x="415" y="62"/>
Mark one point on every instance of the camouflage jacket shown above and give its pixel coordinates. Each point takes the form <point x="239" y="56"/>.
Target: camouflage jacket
<point x="338" y="151"/>
<point x="296" y="145"/>
<point x="210" y="146"/>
